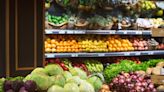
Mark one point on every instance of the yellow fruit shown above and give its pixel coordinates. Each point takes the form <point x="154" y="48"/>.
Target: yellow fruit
<point x="159" y="13"/>
<point x="47" y="50"/>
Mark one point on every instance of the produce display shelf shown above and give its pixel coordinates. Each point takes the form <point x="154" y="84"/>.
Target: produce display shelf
<point x="120" y="32"/>
<point x="132" y="53"/>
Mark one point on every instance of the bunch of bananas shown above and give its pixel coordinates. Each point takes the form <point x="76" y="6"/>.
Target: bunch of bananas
<point x="94" y="66"/>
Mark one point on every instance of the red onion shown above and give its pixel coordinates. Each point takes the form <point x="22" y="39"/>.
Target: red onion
<point x="138" y="84"/>
<point x="151" y="86"/>
<point x="121" y="81"/>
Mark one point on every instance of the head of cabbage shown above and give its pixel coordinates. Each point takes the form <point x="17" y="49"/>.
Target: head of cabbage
<point x="67" y="75"/>
<point x="74" y="79"/>
<point x="55" y="88"/>
<point x="43" y="81"/>
<point x="53" y="69"/>
<point x="78" y="72"/>
<point x="58" y="80"/>
<point x="95" y="82"/>
<point x="86" y="87"/>
<point x="39" y="70"/>
<point x="71" y="87"/>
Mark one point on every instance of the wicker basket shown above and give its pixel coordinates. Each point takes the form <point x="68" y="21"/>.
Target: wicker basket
<point x="82" y="26"/>
<point x="108" y="27"/>
<point x="58" y="26"/>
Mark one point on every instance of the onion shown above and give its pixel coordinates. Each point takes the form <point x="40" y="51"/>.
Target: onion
<point x="128" y="80"/>
<point x="144" y="84"/>
<point x="151" y="86"/>
<point x="138" y="84"/>
<point x="140" y="79"/>
<point x="149" y="81"/>
<point x="121" y="77"/>
<point x="121" y="81"/>
<point x="142" y="89"/>
<point x="134" y="77"/>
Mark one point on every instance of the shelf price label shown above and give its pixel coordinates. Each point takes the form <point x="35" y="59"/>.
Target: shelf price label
<point x="150" y="53"/>
<point x="138" y="32"/>
<point x="112" y="32"/>
<point x="125" y="32"/>
<point x="79" y="32"/>
<point x="101" y="54"/>
<point x="137" y="53"/>
<point x="74" y="55"/>
<point x="69" y="32"/>
<point x="50" y="56"/>
<point x="61" y="32"/>
<point x="127" y="54"/>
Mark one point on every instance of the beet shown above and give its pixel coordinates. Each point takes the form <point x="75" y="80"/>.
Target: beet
<point x="10" y="90"/>
<point x="22" y="89"/>
<point x="17" y="85"/>
<point x="30" y="86"/>
<point x="7" y="85"/>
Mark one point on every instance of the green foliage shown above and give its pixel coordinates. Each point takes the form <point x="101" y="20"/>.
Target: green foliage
<point x="113" y="70"/>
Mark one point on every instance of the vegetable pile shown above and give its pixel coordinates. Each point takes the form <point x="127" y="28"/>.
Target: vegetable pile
<point x="1" y="84"/>
<point x="113" y="70"/>
<point x="53" y="78"/>
<point x="132" y="82"/>
<point x="57" y="19"/>
<point x="17" y="85"/>
<point x="94" y="66"/>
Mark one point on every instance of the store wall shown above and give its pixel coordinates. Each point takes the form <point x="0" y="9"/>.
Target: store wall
<point x="23" y="48"/>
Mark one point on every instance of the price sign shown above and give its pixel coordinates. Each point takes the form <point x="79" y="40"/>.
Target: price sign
<point x="50" y="55"/>
<point x="150" y="53"/>
<point x="74" y="55"/>
<point x="125" y="32"/>
<point x="162" y="71"/>
<point x="69" y="32"/>
<point x="127" y="54"/>
<point x="101" y="54"/>
<point x="112" y="32"/>
<point x="137" y="53"/>
<point x="138" y="32"/>
<point x="79" y="32"/>
<point x="61" y="32"/>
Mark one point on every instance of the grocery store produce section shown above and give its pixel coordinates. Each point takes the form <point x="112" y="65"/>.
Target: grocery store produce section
<point x="98" y="46"/>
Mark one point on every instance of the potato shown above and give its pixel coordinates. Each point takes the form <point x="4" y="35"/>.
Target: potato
<point x="160" y="88"/>
<point x="104" y="86"/>
<point x="160" y="64"/>
<point x="156" y="70"/>
<point x="149" y="70"/>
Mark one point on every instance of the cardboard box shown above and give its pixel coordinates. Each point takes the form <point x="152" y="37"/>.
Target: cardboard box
<point x="157" y="79"/>
<point x="158" y="32"/>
